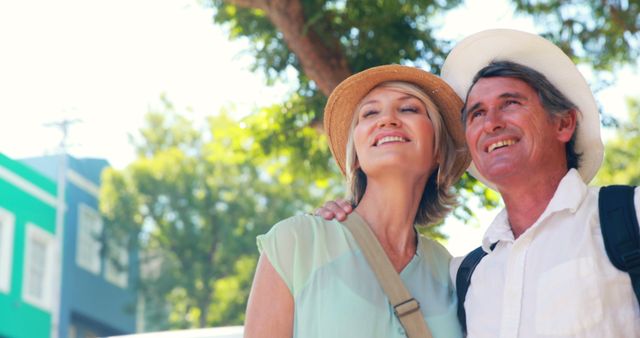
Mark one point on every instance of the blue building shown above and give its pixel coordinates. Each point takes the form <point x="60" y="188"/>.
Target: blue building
<point x="97" y="298"/>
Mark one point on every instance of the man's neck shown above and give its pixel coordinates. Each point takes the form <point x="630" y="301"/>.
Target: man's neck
<point x="526" y="202"/>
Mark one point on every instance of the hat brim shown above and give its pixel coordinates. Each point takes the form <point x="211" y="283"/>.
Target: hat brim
<point x="478" y="50"/>
<point x="344" y="99"/>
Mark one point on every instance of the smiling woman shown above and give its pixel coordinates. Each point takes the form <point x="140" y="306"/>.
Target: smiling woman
<point x="395" y="133"/>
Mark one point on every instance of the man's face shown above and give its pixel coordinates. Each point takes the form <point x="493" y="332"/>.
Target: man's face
<point x="510" y="136"/>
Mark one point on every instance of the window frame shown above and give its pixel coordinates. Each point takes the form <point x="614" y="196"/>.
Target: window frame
<point x="36" y="233"/>
<point x="88" y="247"/>
<point x="7" y="230"/>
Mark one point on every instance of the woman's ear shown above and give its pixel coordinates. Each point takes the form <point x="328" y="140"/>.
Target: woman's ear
<point x="566" y="126"/>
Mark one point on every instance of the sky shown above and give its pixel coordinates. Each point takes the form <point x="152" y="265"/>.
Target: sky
<point x="104" y="64"/>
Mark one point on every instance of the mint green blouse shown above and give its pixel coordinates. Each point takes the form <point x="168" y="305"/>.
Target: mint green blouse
<point x="336" y="293"/>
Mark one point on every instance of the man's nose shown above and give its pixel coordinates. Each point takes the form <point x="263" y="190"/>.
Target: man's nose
<point x="493" y="120"/>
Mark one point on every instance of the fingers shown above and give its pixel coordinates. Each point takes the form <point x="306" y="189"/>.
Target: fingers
<point x="338" y="210"/>
<point x="345" y="205"/>
<point x="325" y="213"/>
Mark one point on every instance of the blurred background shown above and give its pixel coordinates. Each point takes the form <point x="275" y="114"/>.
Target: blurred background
<point x="144" y="144"/>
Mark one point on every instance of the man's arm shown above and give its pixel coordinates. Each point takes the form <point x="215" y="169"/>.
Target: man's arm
<point x="338" y="209"/>
<point x="270" y="307"/>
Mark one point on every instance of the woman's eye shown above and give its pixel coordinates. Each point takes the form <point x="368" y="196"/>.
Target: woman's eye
<point x="369" y="113"/>
<point x="410" y="109"/>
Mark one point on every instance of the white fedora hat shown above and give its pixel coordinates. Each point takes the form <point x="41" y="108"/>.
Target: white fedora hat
<point x="478" y="50"/>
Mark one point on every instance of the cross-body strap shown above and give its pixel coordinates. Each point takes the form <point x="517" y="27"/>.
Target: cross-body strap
<point x="463" y="280"/>
<point x="406" y="308"/>
<point x="620" y="231"/>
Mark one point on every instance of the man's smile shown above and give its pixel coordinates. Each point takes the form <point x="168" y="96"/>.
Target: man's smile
<point x="500" y="144"/>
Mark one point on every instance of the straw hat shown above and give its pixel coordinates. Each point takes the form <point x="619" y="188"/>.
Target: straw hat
<point x="478" y="50"/>
<point x="338" y="113"/>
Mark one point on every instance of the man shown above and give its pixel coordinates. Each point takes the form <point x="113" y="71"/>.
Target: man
<point x="532" y="128"/>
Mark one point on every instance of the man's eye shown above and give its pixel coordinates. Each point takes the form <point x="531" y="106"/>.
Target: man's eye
<point x="474" y="114"/>
<point x="511" y="102"/>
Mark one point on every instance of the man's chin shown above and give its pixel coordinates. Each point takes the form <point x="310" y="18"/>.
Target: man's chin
<point x="499" y="173"/>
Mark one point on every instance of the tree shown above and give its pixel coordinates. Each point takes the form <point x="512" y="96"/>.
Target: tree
<point x="326" y="41"/>
<point x="604" y="34"/>
<point x="192" y="204"/>
<point x="620" y="165"/>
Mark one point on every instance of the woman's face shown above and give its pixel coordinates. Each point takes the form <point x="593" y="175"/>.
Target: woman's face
<point x="393" y="134"/>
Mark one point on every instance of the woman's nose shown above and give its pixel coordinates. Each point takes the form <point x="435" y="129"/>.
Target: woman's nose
<point x="388" y="119"/>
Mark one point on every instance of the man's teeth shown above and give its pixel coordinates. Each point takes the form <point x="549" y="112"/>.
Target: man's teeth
<point x="388" y="139"/>
<point x="501" y="144"/>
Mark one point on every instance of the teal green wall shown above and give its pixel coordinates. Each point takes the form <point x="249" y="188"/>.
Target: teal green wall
<point x="17" y="318"/>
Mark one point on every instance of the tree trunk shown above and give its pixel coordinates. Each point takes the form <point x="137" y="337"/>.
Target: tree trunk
<point x="325" y="64"/>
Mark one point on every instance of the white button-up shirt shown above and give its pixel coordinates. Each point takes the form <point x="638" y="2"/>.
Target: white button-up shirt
<point x="556" y="279"/>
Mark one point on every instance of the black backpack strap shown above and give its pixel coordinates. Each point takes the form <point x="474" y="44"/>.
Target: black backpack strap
<point x="463" y="280"/>
<point x="620" y="231"/>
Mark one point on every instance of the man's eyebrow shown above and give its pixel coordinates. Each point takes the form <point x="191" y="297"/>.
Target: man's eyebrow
<point x="514" y="95"/>
<point x="474" y="107"/>
<point x="507" y="95"/>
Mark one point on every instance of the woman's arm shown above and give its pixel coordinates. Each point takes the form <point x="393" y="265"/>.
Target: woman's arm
<point x="270" y="308"/>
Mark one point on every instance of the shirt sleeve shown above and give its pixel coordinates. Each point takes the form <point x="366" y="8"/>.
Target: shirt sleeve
<point x="299" y="245"/>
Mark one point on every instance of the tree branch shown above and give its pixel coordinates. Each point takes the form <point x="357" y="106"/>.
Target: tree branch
<point x="323" y="62"/>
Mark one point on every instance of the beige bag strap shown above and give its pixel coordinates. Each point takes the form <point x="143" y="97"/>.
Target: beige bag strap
<point x="406" y="308"/>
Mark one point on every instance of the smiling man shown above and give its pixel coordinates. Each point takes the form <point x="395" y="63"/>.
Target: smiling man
<point x="532" y="128"/>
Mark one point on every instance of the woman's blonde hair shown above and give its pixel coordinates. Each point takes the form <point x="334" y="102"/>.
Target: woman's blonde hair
<point x="438" y="197"/>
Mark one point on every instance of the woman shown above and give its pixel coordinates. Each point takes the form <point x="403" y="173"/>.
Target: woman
<point x="395" y="133"/>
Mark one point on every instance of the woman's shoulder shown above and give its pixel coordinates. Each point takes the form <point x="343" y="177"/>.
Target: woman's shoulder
<point x="306" y="227"/>
<point x="433" y="248"/>
<point x="437" y="258"/>
<point x="299" y="245"/>
<point x="306" y="223"/>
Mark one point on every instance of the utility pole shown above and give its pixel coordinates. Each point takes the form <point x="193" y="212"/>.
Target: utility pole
<point x="63" y="126"/>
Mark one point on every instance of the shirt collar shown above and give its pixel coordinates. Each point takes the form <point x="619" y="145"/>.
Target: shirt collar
<point x="569" y="195"/>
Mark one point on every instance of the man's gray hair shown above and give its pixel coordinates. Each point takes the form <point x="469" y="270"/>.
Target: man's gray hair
<point x="553" y="101"/>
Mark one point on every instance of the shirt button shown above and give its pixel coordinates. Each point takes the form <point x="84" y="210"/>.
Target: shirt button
<point x="401" y="331"/>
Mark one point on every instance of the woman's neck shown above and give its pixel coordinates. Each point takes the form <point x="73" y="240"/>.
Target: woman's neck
<point x="390" y="207"/>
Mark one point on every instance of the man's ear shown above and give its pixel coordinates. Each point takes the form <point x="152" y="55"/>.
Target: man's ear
<point x="566" y="126"/>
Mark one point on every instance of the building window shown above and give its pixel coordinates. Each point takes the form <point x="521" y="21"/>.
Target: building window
<point x="117" y="265"/>
<point x="88" y="239"/>
<point x="38" y="268"/>
<point x="7" y="225"/>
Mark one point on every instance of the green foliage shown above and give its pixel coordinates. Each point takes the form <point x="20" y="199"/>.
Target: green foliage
<point x="193" y="203"/>
<point x="622" y="159"/>
<point x="404" y="28"/>
<point x="353" y="29"/>
<point x="599" y="33"/>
